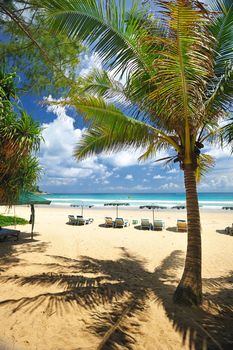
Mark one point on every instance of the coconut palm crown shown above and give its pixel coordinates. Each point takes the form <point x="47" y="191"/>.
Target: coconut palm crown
<point x="177" y="63"/>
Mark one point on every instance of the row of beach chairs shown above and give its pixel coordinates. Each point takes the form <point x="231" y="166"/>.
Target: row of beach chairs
<point x="157" y="225"/>
<point x="79" y="220"/>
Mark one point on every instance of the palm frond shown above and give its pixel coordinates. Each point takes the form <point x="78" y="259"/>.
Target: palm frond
<point x="184" y="65"/>
<point x="153" y="148"/>
<point x="221" y="98"/>
<point x="204" y="163"/>
<point x="221" y="28"/>
<point x="99" y="113"/>
<point x="100" y="83"/>
<point x="220" y="87"/>
<point x="108" y="138"/>
<point x="227" y="133"/>
<point x="104" y="25"/>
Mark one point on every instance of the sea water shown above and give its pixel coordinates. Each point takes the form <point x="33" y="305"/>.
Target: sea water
<point x="206" y="200"/>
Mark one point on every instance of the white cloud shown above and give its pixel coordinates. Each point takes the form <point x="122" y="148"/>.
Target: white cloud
<point x="122" y="159"/>
<point x="217" y="182"/>
<point x="158" y="177"/>
<point x="105" y="182"/>
<point x="218" y="152"/>
<point x="56" y="154"/>
<point x="141" y="188"/>
<point x="172" y="171"/>
<point x="129" y="177"/>
<point x="128" y="157"/>
<point x="169" y="186"/>
<point x="88" y="62"/>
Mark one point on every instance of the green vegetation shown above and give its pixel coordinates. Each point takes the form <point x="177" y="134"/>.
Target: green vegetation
<point x="178" y="67"/>
<point x="11" y="220"/>
<point x="47" y="63"/>
<point x="228" y="133"/>
<point x="20" y="138"/>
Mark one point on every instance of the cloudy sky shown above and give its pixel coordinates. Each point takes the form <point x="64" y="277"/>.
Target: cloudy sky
<point x="119" y="172"/>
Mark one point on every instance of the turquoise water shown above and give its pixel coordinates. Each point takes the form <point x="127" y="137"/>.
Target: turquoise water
<point x="206" y="200"/>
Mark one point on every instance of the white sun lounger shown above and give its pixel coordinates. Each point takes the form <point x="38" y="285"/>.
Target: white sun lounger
<point x="120" y="222"/>
<point x="158" y="225"/>
<point x="145" y="224"/>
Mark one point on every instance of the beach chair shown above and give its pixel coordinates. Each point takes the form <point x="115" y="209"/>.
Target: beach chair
<point x="145" y="224"/>
<point x="5" y="232"/>
<point x="181" y="226"/>
<point x="108" y="221"/>
<point x="229" y="230"/>
<point x="120" y="222"/>
<point x="81" y="221"/>
<point x="158" y="225"/>
<point x="72" y="220"/>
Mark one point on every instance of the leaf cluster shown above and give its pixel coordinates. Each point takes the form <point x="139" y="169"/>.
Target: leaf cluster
<point x="46" y="63"/>
<point x="20" y="138"/>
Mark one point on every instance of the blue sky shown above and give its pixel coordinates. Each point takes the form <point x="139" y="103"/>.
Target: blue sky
<point x="119" y="172"/>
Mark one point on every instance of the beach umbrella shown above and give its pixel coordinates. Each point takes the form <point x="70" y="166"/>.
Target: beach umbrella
<point x="179" y="207"/>
<point x="81" y="205"/>
<point x="29" y="198"/>
<point x="116" y="204"/>
<point x="152" y="207"/>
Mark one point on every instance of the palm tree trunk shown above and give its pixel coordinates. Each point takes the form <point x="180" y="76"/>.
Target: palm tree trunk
<point x="189" y="290"/>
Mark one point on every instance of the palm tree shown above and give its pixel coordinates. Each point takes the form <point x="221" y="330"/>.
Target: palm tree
<point x="177" y="63"/>
<point x="20" y="137"/>
<point x="227" y="133"/>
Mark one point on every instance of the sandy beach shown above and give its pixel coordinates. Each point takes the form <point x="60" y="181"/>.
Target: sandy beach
<point x="92" y="287"/>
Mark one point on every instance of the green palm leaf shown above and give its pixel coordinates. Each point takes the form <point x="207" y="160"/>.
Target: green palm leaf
<point x="110" y="30"/>
<point x="100" y="83"/>
<point x="227" y="133"/>
<point x="222" y="30"/>
<point x="205" y="164"/>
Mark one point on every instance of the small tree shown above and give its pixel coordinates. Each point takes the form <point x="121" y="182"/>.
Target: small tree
<point x="47" y="63"/>
<point x="19" y="138"/>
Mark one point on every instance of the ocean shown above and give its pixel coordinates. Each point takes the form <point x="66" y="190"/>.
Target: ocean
<point x="206" y="200"/>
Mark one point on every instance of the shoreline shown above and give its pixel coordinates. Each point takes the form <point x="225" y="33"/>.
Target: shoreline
<point x="129" y="208"/>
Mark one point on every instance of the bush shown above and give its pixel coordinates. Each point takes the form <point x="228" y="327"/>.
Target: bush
<point x="12" y="220"/>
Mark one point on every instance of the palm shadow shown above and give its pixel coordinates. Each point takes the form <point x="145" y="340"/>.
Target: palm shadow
<point x="11" y="249"/>
<point x="124" y="288"/>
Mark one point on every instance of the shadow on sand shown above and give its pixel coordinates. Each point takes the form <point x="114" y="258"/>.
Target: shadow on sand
<point x="11" y="249"/>
<point x="223" y="232"/>
<point x="125" y="286"/>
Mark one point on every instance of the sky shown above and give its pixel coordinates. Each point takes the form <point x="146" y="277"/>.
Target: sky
<point x="115" y="172"/>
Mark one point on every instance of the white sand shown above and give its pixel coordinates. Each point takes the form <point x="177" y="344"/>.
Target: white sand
<point x="91" y="287"/>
